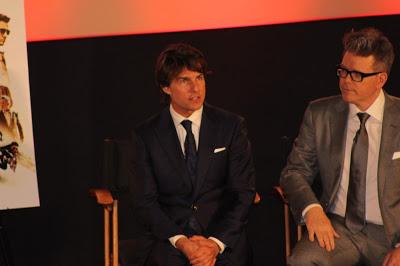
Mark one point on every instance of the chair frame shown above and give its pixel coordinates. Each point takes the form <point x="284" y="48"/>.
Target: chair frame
<point x="111" y="171"/>
<point x="288" y="246"/>
<point x="110" y="206"/>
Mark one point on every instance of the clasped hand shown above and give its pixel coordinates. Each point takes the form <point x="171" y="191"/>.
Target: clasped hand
<point x="199" y="250"/>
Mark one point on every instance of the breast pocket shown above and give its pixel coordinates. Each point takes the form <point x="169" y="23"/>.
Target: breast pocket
<point x="218" y="163"/>
<point x="218" y="153"/>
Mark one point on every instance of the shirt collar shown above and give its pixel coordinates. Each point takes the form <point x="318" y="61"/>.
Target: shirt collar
<point x="375" y="110"/>
<point x="195" y="117"/>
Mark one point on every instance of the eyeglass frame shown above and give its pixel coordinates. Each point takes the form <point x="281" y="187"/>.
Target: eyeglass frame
<point x="5" y="31"/>
<point x="363" y="75"/>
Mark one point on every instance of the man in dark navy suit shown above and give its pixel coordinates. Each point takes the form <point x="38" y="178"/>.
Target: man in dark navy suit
<point x="192" y="172"/>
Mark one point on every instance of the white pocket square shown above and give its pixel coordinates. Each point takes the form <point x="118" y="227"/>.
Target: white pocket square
<point x="219" y="149"/>
<point x="396" y="155"/>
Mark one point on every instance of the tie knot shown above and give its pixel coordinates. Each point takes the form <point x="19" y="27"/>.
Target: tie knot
<point x="363" y="117"/>
<point x="187" y="124"/>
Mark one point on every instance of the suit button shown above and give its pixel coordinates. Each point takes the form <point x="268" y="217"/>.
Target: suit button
<point x="193" y="207"/>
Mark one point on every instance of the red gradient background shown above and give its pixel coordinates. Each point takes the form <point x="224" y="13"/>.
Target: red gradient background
<point x="56" y="19"/>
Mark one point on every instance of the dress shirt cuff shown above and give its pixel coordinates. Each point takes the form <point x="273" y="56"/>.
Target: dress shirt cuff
<point x="306" y="209"/>
<point x="173" y="239"/>
<point x="221" y="245"/>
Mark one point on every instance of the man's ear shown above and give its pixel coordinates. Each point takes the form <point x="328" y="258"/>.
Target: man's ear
<point x="383" y="77"/>
<point x="166" y="90"/>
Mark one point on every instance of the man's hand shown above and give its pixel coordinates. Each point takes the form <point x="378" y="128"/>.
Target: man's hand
<point x="187" y="247"/>
<point x="200" y="251"/>
<point x="207" y="252"/>
<point x="318" y="224"/>
<point x="392" y="258"/>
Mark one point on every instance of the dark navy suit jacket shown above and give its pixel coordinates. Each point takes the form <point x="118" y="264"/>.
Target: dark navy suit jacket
<point x="163" y="195"/>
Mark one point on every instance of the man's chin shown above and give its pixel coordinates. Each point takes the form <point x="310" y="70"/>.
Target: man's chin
<point x="196" y="106"/>
<point x="347" y="98"/>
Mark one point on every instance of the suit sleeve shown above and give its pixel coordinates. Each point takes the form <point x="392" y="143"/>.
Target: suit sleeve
<point x="240" y="189"/>
<point x="144" y="193"/>
<point x="301" y="168"/>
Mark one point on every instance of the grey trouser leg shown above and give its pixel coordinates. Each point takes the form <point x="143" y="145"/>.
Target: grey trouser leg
<point x="369" y="247"/>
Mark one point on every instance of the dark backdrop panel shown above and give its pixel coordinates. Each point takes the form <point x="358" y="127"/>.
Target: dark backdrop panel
<point x="85" y="90"/>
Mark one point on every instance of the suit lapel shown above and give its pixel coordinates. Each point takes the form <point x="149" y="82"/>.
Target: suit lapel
<point x="338" y="122"/>
<point x="390" y="134"/>
<point x="166" y="133"/>
<point x="208" y="131"/>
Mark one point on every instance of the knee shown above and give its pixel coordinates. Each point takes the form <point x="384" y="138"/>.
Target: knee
<point x="309" y="257"/>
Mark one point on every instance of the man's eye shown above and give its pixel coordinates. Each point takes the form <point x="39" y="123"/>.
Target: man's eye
<point x="356" y="74"/>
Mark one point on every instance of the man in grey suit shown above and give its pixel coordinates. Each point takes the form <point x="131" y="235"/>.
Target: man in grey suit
<point x="353" y="142"/>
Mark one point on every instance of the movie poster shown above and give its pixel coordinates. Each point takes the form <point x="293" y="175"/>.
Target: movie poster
<point x="18" y="180"/>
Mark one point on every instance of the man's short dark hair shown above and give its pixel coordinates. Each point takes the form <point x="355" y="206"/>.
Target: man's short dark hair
<point x="370" y="41"/>
<point x="174" y="59"/>
<point x="4" y="18"/>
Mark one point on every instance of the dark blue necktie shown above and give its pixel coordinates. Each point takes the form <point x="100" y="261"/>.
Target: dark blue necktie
<point x="190" y="149"/>
<point x="192" y="227"/>
<point x="355" y="209"/>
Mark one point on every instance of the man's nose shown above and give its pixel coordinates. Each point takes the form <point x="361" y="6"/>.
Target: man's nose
<point x="195" y="85"/>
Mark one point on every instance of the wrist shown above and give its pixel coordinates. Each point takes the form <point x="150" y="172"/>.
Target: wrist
<point x="221" y="245"/>
<point x="181" y="242"/>
<point x="215" y="246"/>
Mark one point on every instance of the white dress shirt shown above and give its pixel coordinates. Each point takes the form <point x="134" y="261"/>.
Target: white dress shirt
<point x="195" y="118"/>
<point x="374" y="130"/>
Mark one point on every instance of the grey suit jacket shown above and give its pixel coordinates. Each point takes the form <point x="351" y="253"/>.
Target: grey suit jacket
<point x="319" y="149"/>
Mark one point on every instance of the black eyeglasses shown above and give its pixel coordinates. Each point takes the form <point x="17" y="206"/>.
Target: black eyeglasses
<point x="5" y="31"/>
<point x="356" y="76"/>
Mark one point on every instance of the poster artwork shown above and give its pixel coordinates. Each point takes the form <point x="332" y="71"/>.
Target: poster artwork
<point x="18" y="180"/>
